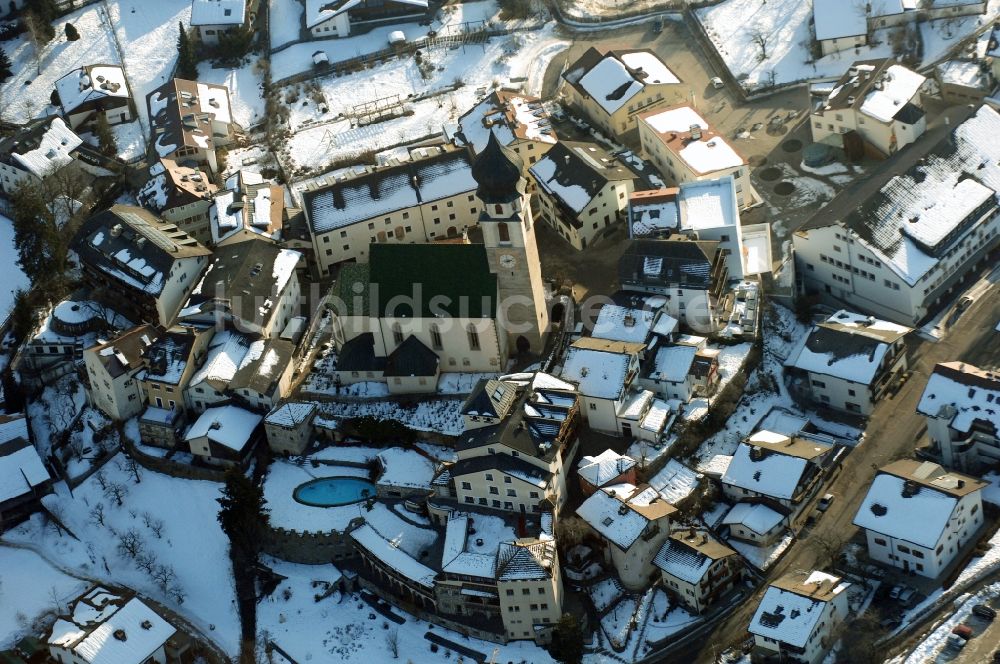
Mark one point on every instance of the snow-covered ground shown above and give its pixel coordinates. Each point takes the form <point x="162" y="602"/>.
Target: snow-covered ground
<point x="285" y="21"/>
<point x="30" y="588"/>
<point x="25" y="95"/>
<point x="246" y="95"/>
<point x="14" y="279"/>
<point x="762" y="557"/>
<point x="190" y="541"/>
<point x="440" y="415"/>
<point x="929" y="649"/>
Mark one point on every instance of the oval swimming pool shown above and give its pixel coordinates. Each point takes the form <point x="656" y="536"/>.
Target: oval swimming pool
<point x="333" y="491"/>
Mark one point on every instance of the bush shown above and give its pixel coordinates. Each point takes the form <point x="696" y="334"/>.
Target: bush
<point x="71" y="32"/>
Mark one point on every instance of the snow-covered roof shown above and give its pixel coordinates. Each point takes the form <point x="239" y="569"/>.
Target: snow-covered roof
<point x="708" y="204"/>
<point x="688" y="555"/>
<point x="576" y="172"/>
<point x="21" y="468"/>
<point x="898" y="86"/>
<point x="675" y="481"/>
<point x="791" y="616"/>
<point x="653" y="212"/>
<point x="620" y="513"/>
<point x="91" y="83"/>
<point x="527" y="559"/>
<point x="756" y="516"/>
<point x="964" y="393"/>
<point x="227" y="352"/>
<point x="405" y="468"/>
<point x="614" y="78"/>
<point x="107" y="632"/>
<point x="229" y="426"/>
<point x="393" y="556"/>
<point x="635" y="405"/>
<point x="847" y="346"/>
<point x="610" y="84"/>
<point x="218" y="12"/>
<point x="596" y="373"/>
<point x="704" y="152"/>
<point x="835" y="20"/>
<point x="603" y="468"/>
<point x="772" y="464"/>
<point x="474" y="553"/>
<point x="510" y="117"/>
<point x="291" y="413"/>
<point x="624" y="323"/>
<point x="672" y="363"/>
<point x="963" y="72"/>
<point x="52" y="152"/>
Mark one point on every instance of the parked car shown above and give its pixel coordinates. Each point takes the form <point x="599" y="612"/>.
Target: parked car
<point x="824" y="502"/>
<point x="906" y="595"/>
<point x="983" y="611"/>
<point x="963" y="631"/>
<point x="964" y="303"/>
<point x="894" y="593"/>
<point x="956" y="641"/>
<point x="717" y="83"/>
<point x="889" y="624"/>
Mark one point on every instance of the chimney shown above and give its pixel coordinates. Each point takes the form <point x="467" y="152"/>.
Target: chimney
<point x="696" y="132"/>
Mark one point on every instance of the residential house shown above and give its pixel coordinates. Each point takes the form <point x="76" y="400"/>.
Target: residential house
<point x="227" y="352"/>
<point x="838" y="27"/>
<point x="520" y="122"/>
<point x="876" y="100"/>
<point x="637" y="320"/>
<point x="681" y="372"/>
<point x="690" y="275"/>
<point x="24" y="478"/>
<point x="697" y="569"/>
<point x="150" y="266"/>
<point x="250" y="207"/>
<point x="943" y="9"/>
<point x="902" y="250"/>
<point x="603" y="372"/>
<point x="114" y="370"/>
<point x="798" y="617"/>
<point x="685" y="148"/>
<point x="225" y="435"/>
<point x="755" y="523"/>
<point x="289" y="427"/>
<point x="334" y="18"/>
<point x="189" y="120"/>
<point x="783" y="472"/>
<point x="514" y="456"/>
<point x="634" y="522"/>
<point x="993" y="50"/>
<point x="964" y="81"/>
<point x="94" y="90"/>
<point x="606" y="469"/>
<point x="421" y="200"/>
<point x="961" y="403"/>
<point x="848" y="362"/>
<point x="35" y="151"/>
<point x="918" y="516"/>
<point x="260" y="383"/>
<point x="252" y="286"/>
<point x="643" y="417"/>
<point x="214" y="20"/>
<point x="115" y="626"/>
<point x="582" y="190"/>
<point x="611" y="89"/>
<point x="181" y="195"/>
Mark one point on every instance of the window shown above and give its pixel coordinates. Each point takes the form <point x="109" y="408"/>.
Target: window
<point x="902" y="548"/>
<point x="467" y="486"/>
<point x="489" y="477"/>
<point x="880" y="541"/>
<point x="525" y="591"/>
<point x="851" y="393"/>
<point x="498" y="209"/>
<point x="508" y="506"/>
<point x="436" y="337"/>
<point x="511" y="493"/>
<point x="592" y="406"/>
<point x="506" y="479"/>
<point x="510" y="592"/>
<point x="469" y="499"/>
<point x="818" y="383"/>
<point x="473" y="337"/>
<point x="496" y="504"/>
<point x="504" y="232"/>
<point x="397" y="333"/>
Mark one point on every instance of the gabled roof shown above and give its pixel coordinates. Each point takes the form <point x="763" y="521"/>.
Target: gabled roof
<point x="970" y="392"/>
<point x="526" y="559"/>
<point x="616" y="77"/>
<point x="127" y="353"/>
<point x="41" y="147"/>
<point x="168" y="357"/>
<point x="172" y="185"/>
<point x="91" y="83"/>
<point x="21" y="468"/>
<point x="229" y="426"/>
<point x="511" y="116"/>
<point x="672" y="363"/>
<point x="412" y="358"/>
<point x="598" y="374"/>
<point x="792" y="606"/>
<point x="603" y="468"/>
<point x="773" y="464"/>
<point x="689" y="554"/>
<point x="620" y="514"/>
<point x="181" y="114"/>
<point x="248" y="207"/>
<point x="834" y="20"/>
<point x="686" y="134"/>
<point x="575" y="172"/>
<point x="676" y="262"/>
<point x="218" y="12"/>
<point x="263" y="373"/>
<point x="291" y="413"/>
<point x="757" y="517"/>
<point x="358" y="354"/>
<point x="490" y="398"/>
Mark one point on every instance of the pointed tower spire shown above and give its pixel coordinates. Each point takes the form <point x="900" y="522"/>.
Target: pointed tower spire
<point x="498" y="172"/>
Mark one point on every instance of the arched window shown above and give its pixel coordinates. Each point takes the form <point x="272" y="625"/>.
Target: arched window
<point x="397" y="333"/>
<point x="504" y="232"/>
<point x="498" y="208"/>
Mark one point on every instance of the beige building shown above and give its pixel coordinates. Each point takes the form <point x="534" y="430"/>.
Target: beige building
<point x="262" y="382"/>
<point x="181" y="195"/>
<point x="520" y="123"/>
<point x="603" y="371"/>
<point x="697" y="569"/>
<point x="964" y="81"/>
<point x="685" y="148"/>
<point x="114" y="369"/>
<point x="962" y="423"/>
<point x="249" y="208"/>
<point x="289" y="427"/>
<point x="419" y="201"/>
<point x="189" y="120"/>
<point x="611" y="89"/>
<point x="582" y="190"/>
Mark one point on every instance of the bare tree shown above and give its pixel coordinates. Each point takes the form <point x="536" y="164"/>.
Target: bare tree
<point x="102" y="480"/>
<point x="571" y="531"/>
<point x="392" y="642"/>
<point x="97" y="514"/>
<point x="129" y="464"/>
<point x="164" y="576"/>
<point x="116" y="491"/>
<point x="760" y="38"/>
<point x="146" y="561"/>
<point x="130" y="543"/>
<point x="64" y="188"/>
<point x="154" y="524"/>
<point x="54" y="597"/>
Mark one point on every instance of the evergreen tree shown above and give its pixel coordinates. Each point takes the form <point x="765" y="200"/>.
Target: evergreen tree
<point x="567" y="640"/>
<point x="71" y="32"/>
<point x="6" y="68"/>
<point x="187" y="60"/>
<point x="41" y="245"/>
<point x="42" y="13"/>
<point x="105" y="137"/>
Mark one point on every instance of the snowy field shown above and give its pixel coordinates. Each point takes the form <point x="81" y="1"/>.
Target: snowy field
<point x="190" y="542"/>
<point x="25" y="95"/>
<point x="246" y="94"/>
<point x="14" y="279"/>
<point x="31" y="587"/>
<point x="285" y="21"/>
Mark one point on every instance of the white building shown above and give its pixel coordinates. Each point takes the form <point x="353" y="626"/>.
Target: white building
<point x="227" y="353"/>
<point x="901" y="251"/>
<point x="582" y="190"/>
<point x="225" y="435"/>
<point x="962" y="405"/>
<point x="189" y="120"/>
<point x="634" y="522"/>
<point x="214" y="18"/>
<point x="36" y="151"/>
<point x="877" y="99"/>
<point x="697" y="569"/>
<point x="685" y="148"/>
<point x="799" y="616"/>
<point x="755" y="523"/>
<point x="181" y="195"/>
<point x="113" y="370"/>
<point x="839" y="27"/>
<point x="849" y="361"/>
<point x="289" y="427"/>
<point x="334" y="19"/>
<point x="603" y="372"/>
<point x="605" y="469"/>
<point x="249" y="207"/>
<point x="917" y="516"/>
<point x="105" y="627"/>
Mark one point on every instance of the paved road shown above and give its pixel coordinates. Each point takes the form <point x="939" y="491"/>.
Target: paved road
<point x="894" y="430"/>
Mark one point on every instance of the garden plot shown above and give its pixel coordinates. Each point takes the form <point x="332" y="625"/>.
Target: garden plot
<point x="320" y="110"/>
<point x="343" y="628"/>
<point x="605" y="593"/>
<point x="164" y="528"/>
<point x="14" y="278"/>
<point x="664" y="618"/>
<point x="619" y="623"/>
<point x="26" y="94"/>
<point x="148" y="33"/>
<point x="32" y="589"/>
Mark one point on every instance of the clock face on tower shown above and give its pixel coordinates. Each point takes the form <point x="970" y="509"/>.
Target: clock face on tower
<point x="507" y="261"/>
